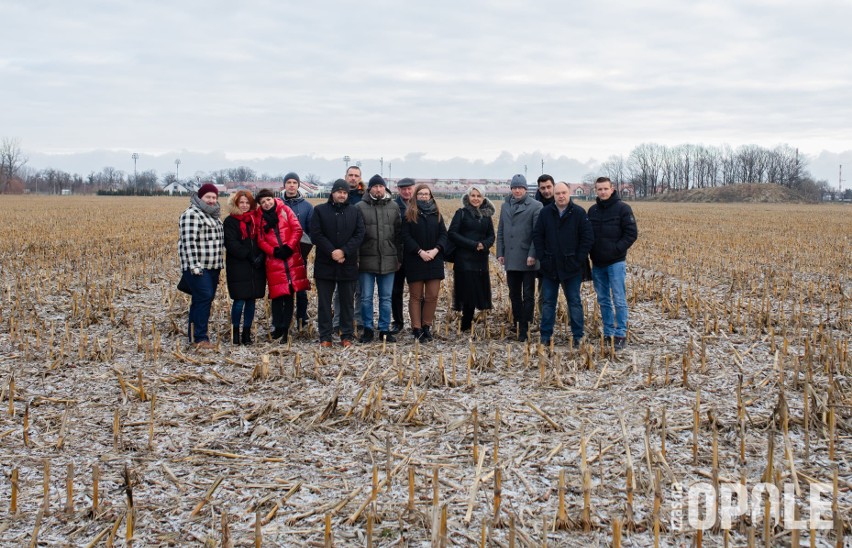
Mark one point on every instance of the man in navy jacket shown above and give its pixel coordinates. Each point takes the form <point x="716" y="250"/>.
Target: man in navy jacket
<point x="562" y="238"/>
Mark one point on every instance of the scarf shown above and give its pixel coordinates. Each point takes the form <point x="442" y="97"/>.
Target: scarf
<point x="270" y="217"/>
<point x="211" y="210"/>
<point x="247" y="226"/>
<point x="427" y="208"/>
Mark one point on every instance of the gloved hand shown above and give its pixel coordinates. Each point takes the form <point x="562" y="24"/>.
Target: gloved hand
<point x="283" y="252"/>
<point x="259" y="261"/>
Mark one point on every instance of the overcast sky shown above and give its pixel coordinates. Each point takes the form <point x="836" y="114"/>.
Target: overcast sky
<point x="437" y="80"/>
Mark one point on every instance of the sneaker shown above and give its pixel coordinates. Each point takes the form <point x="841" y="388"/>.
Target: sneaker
<point x="326" y="344"/>
<point x="387" y="336"/>
<point x="345" y="343"/>
<point x="367" y="335"/>
<point x="620" y="343"/>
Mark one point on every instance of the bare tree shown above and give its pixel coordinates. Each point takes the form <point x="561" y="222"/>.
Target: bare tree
<point x="12" y="159"/>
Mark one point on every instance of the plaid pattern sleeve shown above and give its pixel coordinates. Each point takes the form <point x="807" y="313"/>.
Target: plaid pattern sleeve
<point x="200" y="241"/>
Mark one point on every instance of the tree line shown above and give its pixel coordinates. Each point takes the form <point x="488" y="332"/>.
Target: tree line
<point x="652" y="168"/>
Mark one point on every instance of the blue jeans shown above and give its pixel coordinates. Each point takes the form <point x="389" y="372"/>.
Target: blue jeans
<point x="203" y="288"/>
<point x="238" y="308"/>
<point x="368" y="282"/>
<point x="609" y="280"/>
<point x="550" y="290"/>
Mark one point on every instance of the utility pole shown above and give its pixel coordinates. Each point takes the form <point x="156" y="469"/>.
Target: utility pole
<point x="542" y="166"/>
<point x="389" y="170"/>
<point x="177" y="169"/>
<point x="525" y="171"/>
<point x="840" y="180"/>
<point x="346" y="160"/>
<point x="135" y="157"/>
<point x="382" y="166"/>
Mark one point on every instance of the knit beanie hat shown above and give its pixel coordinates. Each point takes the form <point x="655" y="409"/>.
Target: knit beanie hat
<point x="518" y="181"/>
<point x="376" y="180"/>
<point x="292" y="175"/>
<point x="339" y="184"/>
<point x="207" y="187"/>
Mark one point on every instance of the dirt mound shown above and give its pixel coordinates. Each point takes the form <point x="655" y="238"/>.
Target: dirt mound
<point x="753" y="192"/>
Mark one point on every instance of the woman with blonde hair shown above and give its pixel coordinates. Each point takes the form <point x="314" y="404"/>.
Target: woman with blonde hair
<point x="424" y="238"/>
<point x="472" y="233"/>
<point x="244" y="263"/>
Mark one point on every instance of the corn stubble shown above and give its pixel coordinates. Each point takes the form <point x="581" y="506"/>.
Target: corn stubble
<point x="737" y="369"/>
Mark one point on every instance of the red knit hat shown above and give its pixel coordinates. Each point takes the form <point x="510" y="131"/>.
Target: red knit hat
<point x="207" y="187"/>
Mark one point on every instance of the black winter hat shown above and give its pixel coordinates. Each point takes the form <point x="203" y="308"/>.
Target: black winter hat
<point x="339" y="184"/>
<point x="376" y="180"/>
<point x="407" y="181"/>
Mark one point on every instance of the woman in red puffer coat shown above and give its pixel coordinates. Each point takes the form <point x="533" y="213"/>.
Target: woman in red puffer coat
<point x="286" y="274"/>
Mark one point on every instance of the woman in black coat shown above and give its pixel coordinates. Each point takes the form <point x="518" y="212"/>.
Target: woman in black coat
<point x="424" y="238"/>
<point x="244" y="268"/>
<point x="472" y="233"/>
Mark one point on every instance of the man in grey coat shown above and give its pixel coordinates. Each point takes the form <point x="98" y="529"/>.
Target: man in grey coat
<point x="379" y="256"/>
<point x="516" y="252"/>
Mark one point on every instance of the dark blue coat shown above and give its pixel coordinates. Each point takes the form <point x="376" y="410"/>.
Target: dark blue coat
<point x="562" y="244"/>
<point x="304" y="211"/>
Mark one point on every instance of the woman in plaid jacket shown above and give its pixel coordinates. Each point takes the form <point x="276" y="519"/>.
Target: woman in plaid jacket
<point x="200" y="250"/>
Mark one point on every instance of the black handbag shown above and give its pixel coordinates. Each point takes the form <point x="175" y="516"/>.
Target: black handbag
<point x="183" y="285"/>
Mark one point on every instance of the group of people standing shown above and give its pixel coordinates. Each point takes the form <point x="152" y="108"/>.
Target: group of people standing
<point x="369" y="243"/>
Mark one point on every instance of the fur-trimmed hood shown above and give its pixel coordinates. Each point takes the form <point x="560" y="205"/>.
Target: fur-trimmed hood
<point x="232" y="205"/>
<point x="486" y="209"/>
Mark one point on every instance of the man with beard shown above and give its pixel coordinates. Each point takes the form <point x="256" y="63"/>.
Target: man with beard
<point x="379" y="257"/>
<point x="337" y="230"/>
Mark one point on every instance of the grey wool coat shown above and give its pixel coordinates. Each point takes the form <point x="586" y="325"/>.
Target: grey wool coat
<point x="381" y="250"/>
<point x="515" y="233"/>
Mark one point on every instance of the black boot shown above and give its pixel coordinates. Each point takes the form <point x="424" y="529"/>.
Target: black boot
<point x="426" y="335"/>
<point x="285" y="337"/>
<point x="367" y="335"/>
<point x="236" y="335"/>
<point x="418" y="333"/>
<point x="246" y="335"/>
<point x="467" y="320"/>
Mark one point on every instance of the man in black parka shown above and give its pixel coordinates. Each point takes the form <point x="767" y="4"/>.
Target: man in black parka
<point x="337" y="230"/>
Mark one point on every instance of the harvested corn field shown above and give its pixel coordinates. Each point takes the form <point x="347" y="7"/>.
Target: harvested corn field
<point x="113" y="431"/>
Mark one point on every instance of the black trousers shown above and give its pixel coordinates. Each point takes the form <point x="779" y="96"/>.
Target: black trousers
<point x="522" y="294"/>
<point x="282" y="313"/>
<point x="325" y="296"/>
<point x="396" y="298"/>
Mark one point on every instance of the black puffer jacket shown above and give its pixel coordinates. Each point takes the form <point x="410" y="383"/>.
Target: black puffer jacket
<point x="468" y="228"/>
<point x="245" y="282"/>
<point x="427" y="233"/>
<point x="336" y="226"/>
<point x="562" y="244"/>
<point x="615" y="230"/>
